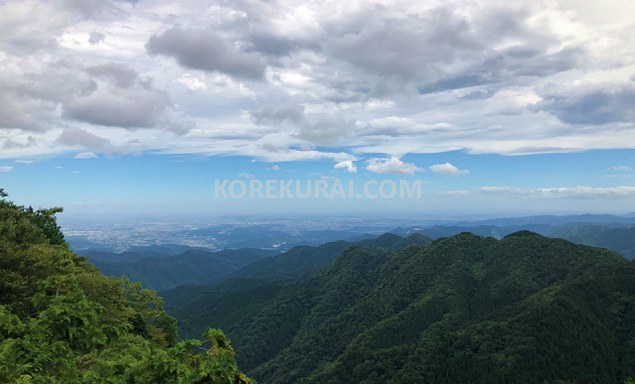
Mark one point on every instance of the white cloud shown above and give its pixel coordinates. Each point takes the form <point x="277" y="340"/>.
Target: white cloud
<point x="275" y="168"/>
<point x="86" y="155"/>
<point x="448" y="169"/>
<point x="621" y="168"/>
<point x="391" y="122"/>
<point x="392" y="165"/>
<point x="347" y="165"/>
<point x="22" y="161"/>
<point x="580" y="192"/>
<point x="192" y="83"/>
<point x="6" y="168"/>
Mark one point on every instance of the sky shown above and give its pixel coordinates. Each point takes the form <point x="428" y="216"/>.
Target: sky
<point x="494" y="108"/>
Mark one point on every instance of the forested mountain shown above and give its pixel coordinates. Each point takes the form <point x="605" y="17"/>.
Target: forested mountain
<point x="295" y="262"/>
<point x="524" y="309"/>
<point x="194" y="266"/>
<point x="249" y="288"/>
<point x="302" y="260"/>
<point x="61" y="321"/>
<point x="620" y="239"/>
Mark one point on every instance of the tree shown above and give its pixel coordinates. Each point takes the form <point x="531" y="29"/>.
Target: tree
<point x="61" y="321"/>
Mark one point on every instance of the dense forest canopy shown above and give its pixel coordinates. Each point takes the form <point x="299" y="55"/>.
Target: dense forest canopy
<point x="61" y="321"/>
<point x="464" y="309"/>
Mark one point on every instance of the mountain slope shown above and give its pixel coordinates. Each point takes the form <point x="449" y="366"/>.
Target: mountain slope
<point x="303" y="260"/>
<point x="249" y="289"/>
<point x="464" y="309"/>
<point x="194" y="266"/>
<point x="620" y="239"/>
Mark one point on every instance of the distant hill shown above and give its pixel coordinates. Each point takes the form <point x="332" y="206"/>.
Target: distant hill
<point x="464" y="309"/>
<point x="553" y="220"/>
<point x="134" y="254"/>
<point x="194" y="266"/>
<point x="620" y="239"/>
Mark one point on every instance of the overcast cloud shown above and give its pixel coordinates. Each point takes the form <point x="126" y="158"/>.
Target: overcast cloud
<point x="293" y="80"/>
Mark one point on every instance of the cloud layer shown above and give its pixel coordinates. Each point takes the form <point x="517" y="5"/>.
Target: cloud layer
<point x="294" y="80"/>
<point x="581" y="192"/>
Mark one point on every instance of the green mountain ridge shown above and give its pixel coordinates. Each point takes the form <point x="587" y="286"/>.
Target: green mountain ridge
<point x="464" y="309"/>
<point x="617" y="236"/>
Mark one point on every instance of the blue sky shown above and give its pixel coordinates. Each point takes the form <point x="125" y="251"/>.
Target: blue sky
<point x="497" y="108"/>
<point x="490" y="185"/>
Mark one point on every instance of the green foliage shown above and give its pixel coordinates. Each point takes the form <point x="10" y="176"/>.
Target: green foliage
<point x="61" y="321"/>
<point x="200" y="306"/>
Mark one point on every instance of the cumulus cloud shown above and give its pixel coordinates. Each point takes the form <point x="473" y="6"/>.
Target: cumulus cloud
<point x="135" y="107"/>
<point x="270" y="44"/>
<point x="20" y="38"/>
<point x="279" y="115"/>
<point x="117" y="97"/>
<point x="11" y="144"/>
<point x="206" y="50"/>
<point x="413" y="47"/>
<point x="94" y="8"/>
<point x="325" y="130"/>
<point x="119" y="75"/>
<point x="448" y="169"/>
<point x="392" y="165"/>
<point x="86" y="155"/>
<point x="280" y="146"/>
<point x="77" y="137"/>
<point x="347" y="165"/>
<point x="193" y="83"/>
<point x="6" y="168"/>
<point x="14" y="114"/>
<point x="592" y="106"/>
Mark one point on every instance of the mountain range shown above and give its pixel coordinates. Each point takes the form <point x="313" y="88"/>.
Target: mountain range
<point x="463" y="309"/>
